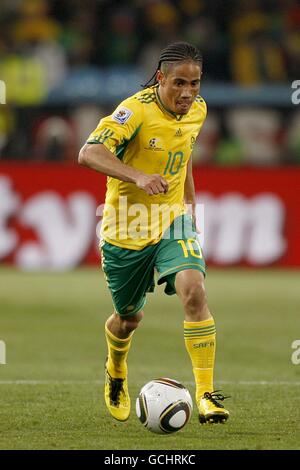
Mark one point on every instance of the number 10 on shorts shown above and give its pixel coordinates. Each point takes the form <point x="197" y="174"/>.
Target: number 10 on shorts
<point x="188" y="247"/>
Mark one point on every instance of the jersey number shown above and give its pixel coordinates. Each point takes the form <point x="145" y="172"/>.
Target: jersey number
<point x="174" y="163"/>
<point x="188" y="247"/>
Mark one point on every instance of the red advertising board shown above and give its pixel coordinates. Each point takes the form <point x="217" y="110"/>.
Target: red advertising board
<point x="247" y="216"/>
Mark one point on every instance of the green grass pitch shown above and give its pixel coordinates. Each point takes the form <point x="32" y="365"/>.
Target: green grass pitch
<point x="52" y="385"/>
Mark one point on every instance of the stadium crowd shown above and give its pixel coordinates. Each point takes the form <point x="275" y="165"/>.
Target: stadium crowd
<point x="244" y="42"/>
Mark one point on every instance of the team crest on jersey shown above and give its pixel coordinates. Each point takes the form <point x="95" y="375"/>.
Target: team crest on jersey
<point x="122" y="115"/>
<point x="154" y="144"/>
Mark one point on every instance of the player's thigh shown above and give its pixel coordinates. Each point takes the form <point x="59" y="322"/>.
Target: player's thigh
<point x="129" y="275"/>
<point x="179" y="251"/>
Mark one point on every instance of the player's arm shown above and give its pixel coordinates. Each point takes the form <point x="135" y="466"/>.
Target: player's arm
<point x="189" y="191"/>
<point x="99" y="158"/>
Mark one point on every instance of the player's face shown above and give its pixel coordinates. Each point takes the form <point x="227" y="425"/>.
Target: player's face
<point x="179" y="87"/>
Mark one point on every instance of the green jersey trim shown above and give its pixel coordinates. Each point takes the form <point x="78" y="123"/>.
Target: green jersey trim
<point x="121" y="149"/>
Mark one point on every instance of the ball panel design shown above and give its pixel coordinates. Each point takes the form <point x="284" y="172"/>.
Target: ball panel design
<point x="142" y="410"/>
<point x="164" y="406"/>
<point x="175" y="417"/>
<point x="171" y="382"/>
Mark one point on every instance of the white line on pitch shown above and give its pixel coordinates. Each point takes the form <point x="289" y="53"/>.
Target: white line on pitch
<point x="101" y="382"/>
<point x="51" y="382"/>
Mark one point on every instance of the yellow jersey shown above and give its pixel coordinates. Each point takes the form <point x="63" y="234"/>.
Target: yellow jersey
<point x="145" y="135"/>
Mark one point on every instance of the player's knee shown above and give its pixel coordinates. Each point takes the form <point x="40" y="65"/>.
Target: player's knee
<point x="194" y="298"/>
<point x="131" y="323"/>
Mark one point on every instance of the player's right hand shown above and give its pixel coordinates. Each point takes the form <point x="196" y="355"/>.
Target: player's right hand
<point x="152" y="184"/>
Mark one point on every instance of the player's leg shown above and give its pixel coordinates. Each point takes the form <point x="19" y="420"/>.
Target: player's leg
<point x="118" y="333"/>
<point x="199" y="328"/>
<point x="129" y="275"/>
<point x="200" y="342"/>
<point x="181" y="265"/>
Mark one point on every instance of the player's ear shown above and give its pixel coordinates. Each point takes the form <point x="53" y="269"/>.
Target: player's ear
<point x="159" y="77"/>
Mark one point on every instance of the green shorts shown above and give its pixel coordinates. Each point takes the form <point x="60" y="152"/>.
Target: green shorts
<point x="130" y="273"/>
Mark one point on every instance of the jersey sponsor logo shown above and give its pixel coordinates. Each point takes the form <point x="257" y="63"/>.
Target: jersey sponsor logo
<point x="121" y="115"/>
<point x="154" y="144"/>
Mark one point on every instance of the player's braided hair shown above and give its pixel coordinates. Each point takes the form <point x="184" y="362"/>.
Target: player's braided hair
<point x="176" y="52"/>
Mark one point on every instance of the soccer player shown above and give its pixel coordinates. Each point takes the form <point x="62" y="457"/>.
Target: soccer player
<point x="145" y="149"/>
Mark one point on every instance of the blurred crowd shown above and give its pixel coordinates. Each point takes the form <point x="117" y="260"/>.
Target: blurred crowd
<point x="246" y="42"/>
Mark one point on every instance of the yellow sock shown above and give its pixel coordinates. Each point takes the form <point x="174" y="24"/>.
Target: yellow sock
<point x="200" y="342"/>
<point x="117" y="354"/>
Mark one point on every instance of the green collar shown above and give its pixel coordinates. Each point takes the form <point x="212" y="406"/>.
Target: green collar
<point x="178" y="117"/>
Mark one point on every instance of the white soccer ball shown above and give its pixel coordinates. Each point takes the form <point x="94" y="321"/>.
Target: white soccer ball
<point x="164" y="406"/>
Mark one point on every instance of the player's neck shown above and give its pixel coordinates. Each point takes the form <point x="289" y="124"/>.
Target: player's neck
<point x="163" y="105"/>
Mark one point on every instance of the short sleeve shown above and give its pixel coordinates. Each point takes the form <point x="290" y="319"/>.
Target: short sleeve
<point x="120" y="126"/>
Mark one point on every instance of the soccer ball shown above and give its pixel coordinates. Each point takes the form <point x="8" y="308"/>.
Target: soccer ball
<point x="152" y="142"/>
<point x="164" y="406"/>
